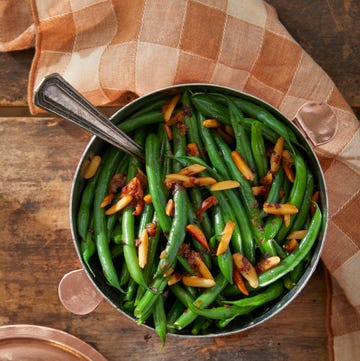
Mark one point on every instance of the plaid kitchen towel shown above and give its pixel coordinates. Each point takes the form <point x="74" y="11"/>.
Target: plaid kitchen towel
<point x="111" y="50"/>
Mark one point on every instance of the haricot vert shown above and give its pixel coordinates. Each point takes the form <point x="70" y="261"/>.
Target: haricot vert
<point x="218" y="223"/>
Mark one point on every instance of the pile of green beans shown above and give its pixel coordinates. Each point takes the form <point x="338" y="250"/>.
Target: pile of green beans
<point x="109" y="242"/>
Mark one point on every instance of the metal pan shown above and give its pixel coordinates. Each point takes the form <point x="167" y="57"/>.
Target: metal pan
<point x="97" y="146"/>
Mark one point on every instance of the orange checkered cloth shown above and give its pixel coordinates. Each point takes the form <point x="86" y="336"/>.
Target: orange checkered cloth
<point x="110" y="50"/>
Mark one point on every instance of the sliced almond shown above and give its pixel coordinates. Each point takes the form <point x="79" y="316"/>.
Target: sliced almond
<point x="143" y="248"/>
<point x="148" y="199"/>
<point x="267" y="263"/>
<point x="204" y="181"/>
<point x="276" y="154"/>
<point x="291" y="245"/>
<point x="192" y="169"/>
<point x="170" y="207"/>
<point x="225" y="238"/>
<point x="280" y="208"/>
<point x="267" y="179"/>
<point x="93" y="166"/>
<point x="298" y="234"/>
<point x="206" y="204"/>
<point x="168" y="108"/>
<point x="174" y="278"/>
<point x="239" y="282"/>
<point x="192" y="150"/>
<point x="211" y="123"/>
<point x="246" y="269"/>
<point x="286" y="220"/>
<point x="223" y="185"/>
<point x="198" y="235"/>
<point x="289" y="172"/>
<point x="201" y="266"/>
<point x="195" y="281"/>
<point x="242" y="165"/>
<point x="259" y="190"/>
<point x="119" y="205"/>
<point x="107" y="200"/>
<point x="169" y="132"/>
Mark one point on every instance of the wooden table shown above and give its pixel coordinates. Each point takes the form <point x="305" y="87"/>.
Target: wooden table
<point x="38" y="156"/>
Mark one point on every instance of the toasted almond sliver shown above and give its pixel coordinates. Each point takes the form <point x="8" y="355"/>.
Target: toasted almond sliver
<point x="239" y="282"/>
<point x="169" y="209"/>
<point x="291" y="245"/>
<point x="119" y="205"/>
<point x="225" y="238"/>
<point x="286" y="220"/>
<point x="276" y="154"/>
<point x="143" y="248"/>
<point x="267" y="263"/>
<point x="168" y="132"/>
<point x="242" y="165"/>
<point x="193" y="150"/>
<point x="211" y="123"/>
<point x="107" y="200"/>
<point x="148" y="199"/>
<point x="299" y="234"/>
<point x="174" y="278"/>
<point x="289" y="172"/>
<point x="258" y="190"/>
<point x="280" y="208"/>
<point x="93" y="166"/>
<point x="192" y="169"/>
<point x="206" y="204"/>
<point x="204" y="181"/>
<point x="203" y="269"/>
<point x="169" y="107"/>
<point x="198" y="234"/>
<point x="195" y="281"/>
<point x="177" y="178"/>
<point x="223" y="185"/>
<point x="246" y="269"/>
<point x="267" y="179"/>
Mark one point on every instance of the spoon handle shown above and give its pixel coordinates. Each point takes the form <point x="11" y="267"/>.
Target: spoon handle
<point x="57" y="96"/>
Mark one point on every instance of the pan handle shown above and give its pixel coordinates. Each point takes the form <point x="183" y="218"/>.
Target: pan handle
<point x="77" y="294"/>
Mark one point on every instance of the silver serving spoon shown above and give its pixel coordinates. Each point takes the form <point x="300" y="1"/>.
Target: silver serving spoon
<point x="57" y="96"/>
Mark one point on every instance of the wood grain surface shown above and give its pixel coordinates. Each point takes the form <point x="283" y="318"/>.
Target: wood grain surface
<point x="38" y="158"/>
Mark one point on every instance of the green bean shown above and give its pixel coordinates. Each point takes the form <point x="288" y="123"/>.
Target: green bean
<point x="243" y="145"/>
<point x="297" y="193"/>
<point x="102" y="246"/>
<point x="181" y="294"/>
<point x="174" y="313"/>
<point x="301" y="217"/>
<point x="242" y="306"/>
<point x="247" y="196"/>
<point x="292" y="260"/>
<point x="267" y="118"/>
<point x="213" y="153"/>
<point x="204" y="300"/>
<point x="259" y="150"/>
<point x="87" y="246"/>
<point x="83" y="214"/>
<point x="155" y="184"/>
<point x="159" y="318"/>
<point x="128" y="224"/>
<point x="266" y="132"/>
<point x="177" y="232"/>
<point x="137" y="122"/>
<point x="190" y="121"/>
<point x="224" y="260"/>
<point x="292" y="278"/>
<point x="210" y="108"/>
